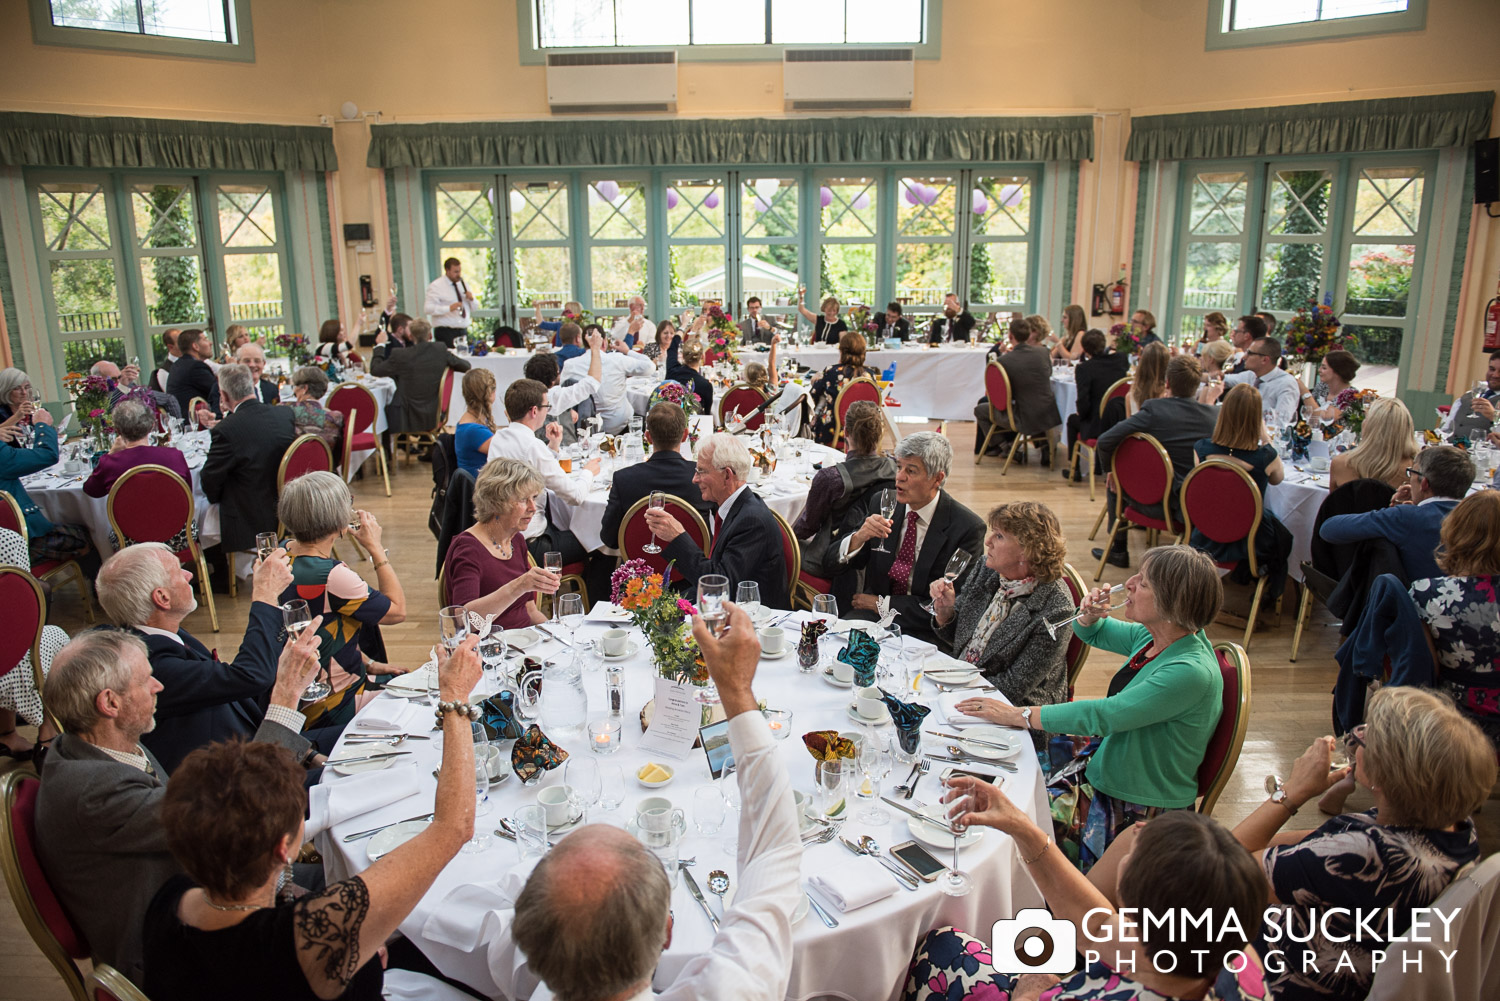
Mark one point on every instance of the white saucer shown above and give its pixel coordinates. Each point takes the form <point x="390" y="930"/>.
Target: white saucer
<point x="936" y="835"/>
<point x="394" y="837"/>
<point x="836" y="683"/>
<point x="374" y="765"/>
<point x="785" y="650"/>
<point x="631" y="649"/>
<point x="886" y="718"/>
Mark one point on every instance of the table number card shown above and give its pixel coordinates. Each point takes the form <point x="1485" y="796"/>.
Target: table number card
<point x="674" y="720"/>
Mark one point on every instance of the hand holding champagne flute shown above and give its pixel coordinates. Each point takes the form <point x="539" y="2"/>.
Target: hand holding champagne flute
<point x="297" y="618"/>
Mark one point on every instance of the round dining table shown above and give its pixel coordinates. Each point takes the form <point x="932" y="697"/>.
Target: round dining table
<point x="941" y="383"/>
<point x="463" y="922"/>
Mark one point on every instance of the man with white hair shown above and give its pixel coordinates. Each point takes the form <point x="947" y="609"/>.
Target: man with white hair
<point x="144" y="589"/>
<point x="244" y="456"/>
<point x="124" y="380"/>
<point x="746" y="542"/>
<point x="634" y="328"/>
<point x="253" y="357"/>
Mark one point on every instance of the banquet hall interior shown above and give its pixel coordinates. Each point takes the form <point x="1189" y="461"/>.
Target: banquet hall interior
<point x="278" y="164"/>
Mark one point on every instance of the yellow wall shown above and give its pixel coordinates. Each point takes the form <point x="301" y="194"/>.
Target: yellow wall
<point x="999" y="56"/>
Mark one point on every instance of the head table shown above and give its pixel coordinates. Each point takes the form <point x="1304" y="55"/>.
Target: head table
<point x="463" y="922"/>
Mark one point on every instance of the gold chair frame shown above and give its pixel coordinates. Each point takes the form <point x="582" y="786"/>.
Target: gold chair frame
<point x="1079" y="447"/>
<point x="348" y="450"/>
<point x="1152" y="534"/>
<point x="20" y="893"/>
<point x="1220" y="782"/>
<point x="839" y="409"/>
<point x="1215" y="463"/>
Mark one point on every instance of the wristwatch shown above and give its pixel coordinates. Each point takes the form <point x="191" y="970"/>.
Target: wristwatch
<point x="1277" y="789"/>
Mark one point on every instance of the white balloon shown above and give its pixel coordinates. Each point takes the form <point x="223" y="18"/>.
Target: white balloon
<point x="767" y="187"/>
<point x="517" y="200"/>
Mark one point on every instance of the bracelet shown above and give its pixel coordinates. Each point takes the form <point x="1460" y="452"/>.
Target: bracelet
<point x="460" y="708"/>
<point x="382" y="563"/>
<point x="1045" y="846"/>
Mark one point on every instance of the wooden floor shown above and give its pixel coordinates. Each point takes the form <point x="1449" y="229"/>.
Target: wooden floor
<point x="1289" y="706"/>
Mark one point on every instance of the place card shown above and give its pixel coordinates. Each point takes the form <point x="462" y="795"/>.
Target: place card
<point x="674" y="720"/>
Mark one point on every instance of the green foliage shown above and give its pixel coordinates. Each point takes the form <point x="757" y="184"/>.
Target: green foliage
<point x="176" y="278"/>
<point x="1299" y="275"/>
<point x="79" y="356"/>
<point x="677" y="291"/>
<point x="981" y="275"/>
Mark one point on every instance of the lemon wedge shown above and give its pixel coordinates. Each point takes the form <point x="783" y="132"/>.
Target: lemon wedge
<point x="653" y="772"/>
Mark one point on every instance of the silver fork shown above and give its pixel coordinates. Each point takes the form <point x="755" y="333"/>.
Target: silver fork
<point x="824" y="836"/>
<point x="904" y="789"/>
<point x="923" y="768"/>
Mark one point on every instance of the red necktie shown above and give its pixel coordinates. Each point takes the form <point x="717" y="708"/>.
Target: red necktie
<point x="718" y="524"/>
<point x="906" y="557"/>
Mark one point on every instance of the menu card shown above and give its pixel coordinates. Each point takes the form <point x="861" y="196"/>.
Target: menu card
<point x="674" y="720"/>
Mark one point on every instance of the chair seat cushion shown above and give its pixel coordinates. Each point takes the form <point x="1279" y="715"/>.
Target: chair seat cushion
<point x="363" y="442"/>
<point x="46" y="567"/>
<point x="574" y="569"/>
<point x="1091" y="442"/>
<point x="819" y="584"/>
<point x="1135" y="517"/>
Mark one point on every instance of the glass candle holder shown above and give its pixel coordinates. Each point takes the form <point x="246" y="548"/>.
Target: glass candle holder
<point x="604" y="736"/>
<point x="780" y="722"/>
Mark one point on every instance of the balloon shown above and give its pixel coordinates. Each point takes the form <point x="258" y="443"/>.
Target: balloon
<point x="928" y="194"/>
<point x="761" y="205"/>
<point x="767" y="187"/>
<point x="712" y="201"/>
<point x="672" y="198"/>
<point x="1010" y="195"/>
<point x="981" y="203"/>
<point x="862" y="202"/>
<point x="910" y="194"/>
<point x="608" y="190"/>
<point x="825" y="196"/>
<point x="517" y="200"/>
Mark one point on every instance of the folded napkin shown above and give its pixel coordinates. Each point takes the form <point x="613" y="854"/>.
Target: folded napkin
<point x="948" y="700"/>
<point x="390" y="715"/>
<point x="534" y="753"/>
<point x="477" y="912"/>
<point x="331" y="803"/>
<point x="861" y="653"/>
<point x="908" y="718"/>
<point x="499" y="717"/>
<point x="849" y="884"/>
<point x="807" y="647"/>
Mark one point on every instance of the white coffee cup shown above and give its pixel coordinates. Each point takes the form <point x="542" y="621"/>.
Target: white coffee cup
<point x="554" y="800"/>
<point x="772" y="639"/>
<point x="802" y="802"/>
<point x="869" y="704"/>
<point x="614" y="642"/>
<point x="843" y="671"/>
<point x="1319" y="462"/>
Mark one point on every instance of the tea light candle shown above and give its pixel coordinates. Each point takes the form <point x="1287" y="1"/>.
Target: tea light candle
<point x="780" y="722"/>
<point x="604" y="736"/>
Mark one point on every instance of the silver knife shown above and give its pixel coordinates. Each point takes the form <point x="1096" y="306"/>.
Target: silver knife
<point x="975" y="740"/>
<point x="827" y="919"/>
<point x="1002" y="765"/>
<point x="359" y="835"/>
<point x="934" y="821"/>
<point x="692" y="885"/>
<point x="556" y="637"/>
<point x="367" y="757"/>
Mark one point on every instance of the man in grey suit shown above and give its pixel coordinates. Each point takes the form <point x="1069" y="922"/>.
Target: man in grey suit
<point x="98" y="823"/>
<point x="418" y="372"/>
<point x="755" y="328"/>
<point x="1029" y="367"/>
<point x="1178" y="421"/>
<point x="1472" y="415"/>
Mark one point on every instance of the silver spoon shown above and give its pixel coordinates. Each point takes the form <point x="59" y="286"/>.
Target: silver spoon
<point x="718" y="884"/>
<point x="872" y="848"/>
<point x="959" y="752"/>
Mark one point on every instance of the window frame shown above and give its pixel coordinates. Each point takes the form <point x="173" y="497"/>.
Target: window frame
<point x="531" y="54"/>
<point x="241" y="47"/>
<point x="1219" y="36"/>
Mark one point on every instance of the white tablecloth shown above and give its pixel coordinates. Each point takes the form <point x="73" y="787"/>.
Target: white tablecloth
<point x="1065" y="392"/>
<point x="941" y="383"/>
<point x="61" y="498"/>
<point x="864" y="959"/>
<point x="382" y="388"/>
<point x="1295" y="501"/>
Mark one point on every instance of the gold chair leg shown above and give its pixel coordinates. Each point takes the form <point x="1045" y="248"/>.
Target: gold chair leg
<point x="385" y="473"/>
<point x="1301" y="620"/>
<point x="208" y="592"/>
<point x="234" y="578"/>
<point x="1015" y="443"/>
<point x="1254" y="611"/>
<point x="1108" y="545"/>
<point x="984" y="447"/>
<point x="1098" y="521"/>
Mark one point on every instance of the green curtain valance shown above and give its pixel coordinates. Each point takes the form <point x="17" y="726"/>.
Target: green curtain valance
<point x="1339" y="127"/>
<point x="729" y="142"/>
<point x="31" y="140"/>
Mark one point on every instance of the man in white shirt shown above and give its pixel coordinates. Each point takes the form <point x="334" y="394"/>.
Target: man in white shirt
<point x="449" y="304"/>
<point x="619" y="363"/>
<point x="600" y="885"/>
<point x="1279" y="391"/>
<point x="635" y="328"/>
<point x="526" y="405"/>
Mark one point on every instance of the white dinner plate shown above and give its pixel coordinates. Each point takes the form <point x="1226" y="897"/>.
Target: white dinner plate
<point x="523" y="639"/>
<point x="936" y="834"/>
<point x="1012" y="739"/>
<point x="394" y="837"/>
<point x="412" y="682"/>
<point x="373" y="765"/>
<point x="631" y="649"/>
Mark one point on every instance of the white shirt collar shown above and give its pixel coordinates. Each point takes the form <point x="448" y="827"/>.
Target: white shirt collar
<point x="1433" y="499"/>
<point x="728" y="502"/>
<point x="924" y="513"/>
<point x="154" y="631"/>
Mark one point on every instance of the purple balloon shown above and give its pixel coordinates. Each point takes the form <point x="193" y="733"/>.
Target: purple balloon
<point x="761" y="205"/>
<point x="671" y="198"/>
<point x="1010" y="195"/>
<point x="981" y="203"/>
<point x="712" y="201"/>
<point x="862" y="202"/>
<point x="608" y="190"/>
<point x="825" y="196"/>
<point x="929" y="195"/>
<point x="911" y="194"/>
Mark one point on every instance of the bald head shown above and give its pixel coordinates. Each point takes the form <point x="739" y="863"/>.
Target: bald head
<point x="599" y="892"/>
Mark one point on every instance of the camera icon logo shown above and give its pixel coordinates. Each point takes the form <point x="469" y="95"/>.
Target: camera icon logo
<point x="1033" y="942"/>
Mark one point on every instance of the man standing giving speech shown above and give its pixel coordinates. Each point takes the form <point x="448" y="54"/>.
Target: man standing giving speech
<point x="449" y="305"/>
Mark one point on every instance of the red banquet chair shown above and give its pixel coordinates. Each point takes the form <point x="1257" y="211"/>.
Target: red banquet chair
<point x="41" y="912"/>
<point x="108" y="984"/>
<point x="1078" y="650"/>
<point x="360" y="410"/>
<point x="1142" y="471"/>
<point x="1120" y="389"/>
<point x="791" y="551"/>
<point x="1220" y="500"/>
<point x="308" y="454"/>
<point x="634" y="533"/>
<point x="151" y="503"/>
<point x="864" y="388"/>
<point x="26" y="613"/>
<point x="11" y="518"/>
<point x="997" y="392"/>
<point x="1224" y="746"/>
<point x="407" y="440"/>
<point x="744" y="398"/>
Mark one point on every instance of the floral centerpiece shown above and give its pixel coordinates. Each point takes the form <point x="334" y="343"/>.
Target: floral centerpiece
<point x="663" y="617"/>
<point x="583" y="318"/>
<point x="723" y="335"/>
<point x="861" y="322"/>
<point x="677" y="394"/>
<point x="90" y="401"/>
<point x="479" y="349"/>
<point x="1126" y="339"/>
<point x="1355" y="403"/>
<point x="1313" y="331"/>
<point x="295" y="346"/>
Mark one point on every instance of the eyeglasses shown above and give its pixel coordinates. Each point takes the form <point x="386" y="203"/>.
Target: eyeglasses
<point x="1355" y="738"/>
<point x="1413" y="472"/>
<point x="1258" y="354"/>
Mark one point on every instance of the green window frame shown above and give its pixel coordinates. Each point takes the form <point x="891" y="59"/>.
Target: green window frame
<point x="240" y="47"/>
<point x="1221" y="36"/>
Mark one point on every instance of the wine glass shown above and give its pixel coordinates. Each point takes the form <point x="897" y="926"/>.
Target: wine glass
<point x="713" y="591"/>
<point x="957" y="564"/>
<point x="1118" y="591"/>
<point x="887" y="509"/>
<point x="708" y="810"/>
<point x="453" y="626"/>
<point x="890" y="649"/>
<point x="552" y="563"/>
<point x="581" y="779"/>
<point x="826" y="610"/>
<point x="265" y="544"/>
<point x="957" y="882"/>
<point x="657" y="502"/>
<point x="481" y="840"/>
<point x="297" y="617"/>
<point x="874" y="765"/>
<point x="747" y="596"/>
<point x="570" y="617"/>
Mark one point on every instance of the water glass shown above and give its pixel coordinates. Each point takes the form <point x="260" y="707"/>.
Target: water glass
<point x="611" y="786"/>
<point x="747" y="596"/>
<point x="826" y="609"/>
<point x="582" y="779"/>
<point x="831" y="786"/>
<point x="481" y="839"/>
<point x="530" y="825"/>
<point x="708" y="810"/>
<point x="713" y="591"/>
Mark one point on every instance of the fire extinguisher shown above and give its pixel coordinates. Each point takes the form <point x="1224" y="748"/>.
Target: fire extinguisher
<point x="1117" y="295"/>
<point x="1492" y="325"/>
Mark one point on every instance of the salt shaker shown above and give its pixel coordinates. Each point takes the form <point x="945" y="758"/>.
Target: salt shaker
<point x="614" y="683"/>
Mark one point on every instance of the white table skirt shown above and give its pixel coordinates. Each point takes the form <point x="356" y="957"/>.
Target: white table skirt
<point x="1295" y="502"/>
<point x="1065" y="392"/>
<point x="863" y="959"/>
<point x="940" y="383"/>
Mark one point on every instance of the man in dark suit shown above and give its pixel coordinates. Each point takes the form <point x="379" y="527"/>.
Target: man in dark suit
<point x="1029" y="367"/>
<point x="143" y="588"/>
<point x="191" y="375"/>
<point x="244" y="455"/>
<point x="1178" y="421"/>
<point x="896" y="325"/>
<point x="418" y="372"/>
<point x="98" y="824"/>
<point x="746" y="542"/>
<point x="667" y="470"/>
<point x="253" y="357"/>
<point x="956" y="323"/>
<point x="927" y="528"/>
<point x="1100" y="369"/>
<point x="163" y="370"/>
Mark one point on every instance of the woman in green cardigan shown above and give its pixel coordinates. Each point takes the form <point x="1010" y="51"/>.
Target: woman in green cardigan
<point x="1138" y="749"/>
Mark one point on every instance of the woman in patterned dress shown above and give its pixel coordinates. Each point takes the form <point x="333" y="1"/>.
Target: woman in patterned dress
<point x="825" y="390"/>
<point x="19" y="694"/>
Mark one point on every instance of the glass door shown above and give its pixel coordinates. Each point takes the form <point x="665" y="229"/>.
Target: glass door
<point x="167" y="247"/>
<point x="251" y="250"/>
<point x="83" y="263"/>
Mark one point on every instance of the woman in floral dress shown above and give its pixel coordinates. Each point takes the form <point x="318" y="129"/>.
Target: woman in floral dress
<point x="825" y="390"/>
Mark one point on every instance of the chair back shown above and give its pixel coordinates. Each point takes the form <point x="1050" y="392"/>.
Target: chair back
<point x="445" y="396"/>
<point x="11" y="517"/>
<point x="358" y="406"/>
<point x="41" y="912"/>
<point x="852" y="392"/>
<point x="1143" y="472"/>
<point x="1078" y="650"/>
<point x="25" y="614"/>
<point x="744" y="398"/>
<point x="308" y="454"/>
<point x="1473" y="898"/>
<point x="1223" y="749"/>
<point x="997" y="389"/>
<point x="193" y="408"/>
<point x="1117" y="391"/>
<point x="634" y="533"/>
<point x="108" y="984"/>
<point x="791" y="551"/>
<point x="1220" y="500"/>
<point x="150" y="503"/>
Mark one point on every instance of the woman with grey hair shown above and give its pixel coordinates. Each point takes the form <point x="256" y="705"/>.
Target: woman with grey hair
<point x="19" y="695"/>
<point x="134" y="423"/>
<point x="487" y="569"/>
<point x="1157" y="719"/>
<point x="309" y="416"/>
<point x="47" y="541"/>
<point x="318" y="510"/>
<point x="15" y="394"/>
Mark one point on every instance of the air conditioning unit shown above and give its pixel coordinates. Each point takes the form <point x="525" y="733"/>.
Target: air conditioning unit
<point x="848" y="79"/>
<point x="611" y="82"/>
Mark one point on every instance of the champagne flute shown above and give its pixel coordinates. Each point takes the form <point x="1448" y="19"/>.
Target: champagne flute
<point x="570" y="616"/>
<point x="297" y="617"/>
<point x="1118" y="591"/>
<point x="713" y="591"/>
<point x="957" y="564"/>
<point x="887" y="509"/>
<point x="747" y="596"/>
<point x="552" y="563"/>
<point x="657" y="502"/>
<point x="265" y="544"/>
<point x="957" y="882"/>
